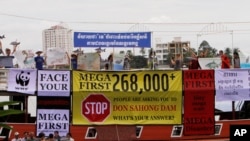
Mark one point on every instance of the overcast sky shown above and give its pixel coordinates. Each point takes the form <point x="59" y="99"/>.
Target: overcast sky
<point x="24" y="20"/>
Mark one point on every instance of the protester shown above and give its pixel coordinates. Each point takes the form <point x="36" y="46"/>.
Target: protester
<point x="194" y="62"/>
<point x="153" y="61"/>
<point x="50" y="137"/>
<point x="225" y="62"/>
<point x="110" y="60"/>
<point x="41" y="137"/>
<point x="126" y="65"/>
<point x="57" y="136"/>
<point x="7" y="50"/>
<point x="172" y="62"/>
<point x="69" y="137"/>
<point x="25" y="136"/>
<point x="39" y="60"/>
<point x="106" y="66"/>
<point x="178" y="62"/>
<point x="32" y="136"/>
<point x="16" y="137"/>
<point x="236" y="60"/>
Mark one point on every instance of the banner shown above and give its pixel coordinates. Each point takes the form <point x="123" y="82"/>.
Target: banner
<point x="199" y="103"/>
<point x="25" y="59"/>
<point x="57" y="56"/>
<point x="53" y="83"/>
<point x="136" y="97"/>
<point x="118" y="61"/>
<point x="6" y="61"/>
<point x="232" y="84"/>
<point x="210" y="63"/>
<point x="88" y="61"/>
<point x="97" y="39"/>
<point x="22" y="80"/>
<point x="50" y="120"/>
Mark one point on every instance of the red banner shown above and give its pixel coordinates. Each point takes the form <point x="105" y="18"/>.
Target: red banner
<point x="199" y="102"/>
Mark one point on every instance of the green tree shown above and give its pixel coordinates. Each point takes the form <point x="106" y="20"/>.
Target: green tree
<point x="8" y="112"/>
<point x="228" y="52"/>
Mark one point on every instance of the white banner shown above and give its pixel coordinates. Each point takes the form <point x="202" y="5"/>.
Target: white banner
<point x="232" y="84"/>
<point x="56" y="56"/>
<point x="210" y="63"/>
<point x="88" y="61"/>
<point x="25" y="59"/>
<point x="53" y="83"/>
<point x="50" y="120"/>
<point x="22" y="80"/>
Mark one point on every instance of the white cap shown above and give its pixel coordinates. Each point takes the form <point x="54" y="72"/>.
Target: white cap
<point x="16" y="133"/>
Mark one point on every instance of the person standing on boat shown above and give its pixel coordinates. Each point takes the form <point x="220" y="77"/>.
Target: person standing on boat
<point x="39" y="60"/>
<point x="110" y="60"/>
<point x="126" y="65"/>
<point x="16" y="137"/>
<point x="178" y="62"/>
<point x="236" y="60"/>
<point x="225" y="62"/>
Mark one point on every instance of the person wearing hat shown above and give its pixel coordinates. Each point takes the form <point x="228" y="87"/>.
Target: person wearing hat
<point x="39" y="60"/>
<point x="73" y="60"/>
<point x="16" y="137"/>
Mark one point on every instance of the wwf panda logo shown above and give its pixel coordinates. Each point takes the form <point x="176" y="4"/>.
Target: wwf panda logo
<point x="23" y="78"/>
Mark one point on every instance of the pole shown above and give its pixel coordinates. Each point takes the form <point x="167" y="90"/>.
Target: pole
<point x="233" y="102"/>
<point x="232" y="47"/>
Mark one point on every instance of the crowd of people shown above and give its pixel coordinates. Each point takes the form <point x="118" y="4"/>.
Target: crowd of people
<point x="30" y="136"/>
<point x="176" y="61"/>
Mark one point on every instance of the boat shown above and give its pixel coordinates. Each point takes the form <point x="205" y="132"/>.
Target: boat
<point x="224" y="120"/>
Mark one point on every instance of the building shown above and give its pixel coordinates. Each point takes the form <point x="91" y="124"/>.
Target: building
<point x="178" y="47"/>
<point x="161" y="51"/>
<point x="59" y="36"/>
<point x="165" y="50"/>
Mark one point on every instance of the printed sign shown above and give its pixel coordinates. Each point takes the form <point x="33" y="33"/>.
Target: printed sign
<point x="232" y="84"/>
<point x="210" y="63"/>
<point x="199" y="97"/>
<point x="57" y="56"/>
<point x="148" y="97"/>
<point x="50" y="120"/>
<point x="88" y="61"/>
<point x="97" y="39"/>
<point x="53" y="83"/>
<point x="25" y="59"/>
<point x="22" y="80"/>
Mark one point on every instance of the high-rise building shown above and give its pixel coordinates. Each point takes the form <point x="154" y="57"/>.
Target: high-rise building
<point x="59" y="36"/>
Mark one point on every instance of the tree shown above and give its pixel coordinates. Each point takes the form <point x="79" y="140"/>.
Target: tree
<point x="228" y="52"/>
<point x="204" y="44"/>
<point x="8" y="112"/>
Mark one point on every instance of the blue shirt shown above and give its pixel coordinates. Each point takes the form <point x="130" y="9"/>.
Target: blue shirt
<point x="74" y="63"/>
<point x="39" y="62"/>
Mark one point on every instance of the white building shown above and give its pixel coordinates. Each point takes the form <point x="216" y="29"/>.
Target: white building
<point x="161" y="51"/>
<point x="58" y="36"/>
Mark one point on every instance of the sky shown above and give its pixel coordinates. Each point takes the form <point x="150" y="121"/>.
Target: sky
<point x="223" y="23"/>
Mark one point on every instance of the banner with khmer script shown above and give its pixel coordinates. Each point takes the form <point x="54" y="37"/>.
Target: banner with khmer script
<point x="232" y="84"/>
<point x="112" y="39"/>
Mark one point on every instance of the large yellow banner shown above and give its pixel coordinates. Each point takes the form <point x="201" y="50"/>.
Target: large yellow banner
<point x="133" y="97"/>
